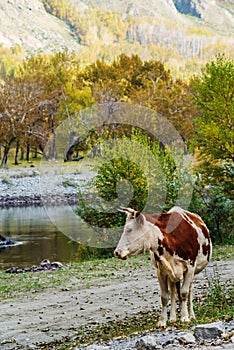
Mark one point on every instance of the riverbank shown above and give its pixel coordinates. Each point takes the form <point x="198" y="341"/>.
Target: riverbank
<point x="36" y="185"/>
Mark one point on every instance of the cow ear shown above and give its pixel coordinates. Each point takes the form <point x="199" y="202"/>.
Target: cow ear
<point x="139" y="218"/>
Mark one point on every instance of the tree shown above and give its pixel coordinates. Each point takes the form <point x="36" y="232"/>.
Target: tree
<point x="24" y="110"/>
<point x="214" y="97"/>
<point x="56" y="75"/>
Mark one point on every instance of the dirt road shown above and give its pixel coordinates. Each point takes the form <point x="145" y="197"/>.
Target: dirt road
<point x="44" y="317"/>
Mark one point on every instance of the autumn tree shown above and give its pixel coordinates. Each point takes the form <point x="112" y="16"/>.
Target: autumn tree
<point x="58" y="74"/>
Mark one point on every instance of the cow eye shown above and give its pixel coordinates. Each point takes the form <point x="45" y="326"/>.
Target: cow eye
<point x="129" y="230"/>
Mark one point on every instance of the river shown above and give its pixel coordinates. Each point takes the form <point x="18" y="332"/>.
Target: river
<point x="39" y="238"/>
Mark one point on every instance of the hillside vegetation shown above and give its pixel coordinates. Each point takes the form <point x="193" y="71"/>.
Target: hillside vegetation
<point x="182" y="34"/>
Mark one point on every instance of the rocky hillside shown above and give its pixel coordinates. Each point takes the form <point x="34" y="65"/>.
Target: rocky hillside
<point x="176" y="32"/>
<point x="27" y="24"/>
<point x="218" y="14"/>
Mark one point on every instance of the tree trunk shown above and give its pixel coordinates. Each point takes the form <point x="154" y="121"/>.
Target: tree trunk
<point x="28" y="153"/>
<point x="17" y="153"/>
<point x="5" y="155"/>
<point x="53" y="152"/>
<point x="35" y="154"/>
<point x="21" y="154"/>
<point x="6" y="151"/>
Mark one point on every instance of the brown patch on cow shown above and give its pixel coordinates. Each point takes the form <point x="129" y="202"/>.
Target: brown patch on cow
<point x="182" y="240"/>
<point x="152" y="217"/>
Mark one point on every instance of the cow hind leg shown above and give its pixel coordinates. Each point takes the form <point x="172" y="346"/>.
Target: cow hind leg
<point x="190" y="301"/>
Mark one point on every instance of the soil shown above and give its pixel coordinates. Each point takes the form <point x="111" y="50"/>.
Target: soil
<point x="54" y="314"/>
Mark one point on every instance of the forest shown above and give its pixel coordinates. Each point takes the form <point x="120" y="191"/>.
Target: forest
<point x="46" y="89"/>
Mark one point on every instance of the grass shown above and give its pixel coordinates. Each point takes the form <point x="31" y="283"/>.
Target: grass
<point x="223" y="252"/>
<point x="217" y="301"/>
<point x="85" y="273"/>
<point x="41" y="162"/>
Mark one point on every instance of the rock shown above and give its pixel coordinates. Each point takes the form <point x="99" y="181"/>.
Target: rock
<point x="97" y="347"/>
<point x="44" y="266"/>
<point x="147" y="342"/>
<point x="6" y="242"/>
<point x="186" y="338"/>
<point x="209" y="331"/>
<point x="56" y="264"/>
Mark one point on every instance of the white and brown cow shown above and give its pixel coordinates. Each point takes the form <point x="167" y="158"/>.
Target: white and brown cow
<point x="180" y="247"/>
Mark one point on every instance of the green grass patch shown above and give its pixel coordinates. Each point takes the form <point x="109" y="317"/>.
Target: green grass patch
<point x="86" y="273"/>
<point x="223" y="252"/>
<point x="217" y="301"/>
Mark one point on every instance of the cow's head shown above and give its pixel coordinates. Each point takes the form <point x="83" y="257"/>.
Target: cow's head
<point x="133" y="240"/>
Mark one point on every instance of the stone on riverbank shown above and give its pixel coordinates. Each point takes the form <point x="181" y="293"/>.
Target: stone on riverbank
<point x="6" y="242"/>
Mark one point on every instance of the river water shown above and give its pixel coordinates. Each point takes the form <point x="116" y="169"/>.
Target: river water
<point x="39" y="237"/>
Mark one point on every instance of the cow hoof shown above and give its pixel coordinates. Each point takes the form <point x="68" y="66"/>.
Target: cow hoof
<point x="192" y="316"/>
<point x="161" y="324"/>
<point x="185" y="319"/>
<point x="172" y="319"/>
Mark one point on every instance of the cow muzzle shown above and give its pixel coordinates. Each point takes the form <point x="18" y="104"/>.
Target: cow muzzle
<point x="118" y="255"/>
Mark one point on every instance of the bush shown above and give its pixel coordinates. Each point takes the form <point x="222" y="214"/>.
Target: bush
<point x="217" y="299"/>
<point x="136" y="171"/>
<point x="216" y="209"/>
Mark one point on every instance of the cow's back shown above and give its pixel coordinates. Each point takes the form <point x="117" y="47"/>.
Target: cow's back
<point x="185" y="236"/>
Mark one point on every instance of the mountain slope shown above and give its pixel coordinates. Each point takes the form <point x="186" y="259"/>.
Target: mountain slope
<point x="27" y="24"/>
<point x="181" y="33"/>
<point x="218" y="14"/>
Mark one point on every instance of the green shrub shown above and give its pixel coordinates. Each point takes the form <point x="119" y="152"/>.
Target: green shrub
<point x="216" y="209"/>
<point x="217" y="300"/>
<point x="135" y="172"/>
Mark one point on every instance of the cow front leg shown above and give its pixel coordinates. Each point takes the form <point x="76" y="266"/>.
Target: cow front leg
<point x="184" y="307"/>
<point x="185" y="294"/>
<point x="163" y="283"/>
<point x="173" y="301"/>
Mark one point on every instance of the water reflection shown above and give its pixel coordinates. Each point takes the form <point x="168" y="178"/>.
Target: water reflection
<point x="40" y="238"/>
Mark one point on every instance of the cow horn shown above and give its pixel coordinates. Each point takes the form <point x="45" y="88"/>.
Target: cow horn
<point x="126" y="210"/>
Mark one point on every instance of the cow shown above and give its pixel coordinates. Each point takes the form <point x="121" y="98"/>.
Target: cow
<point x="180" y="247"/>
